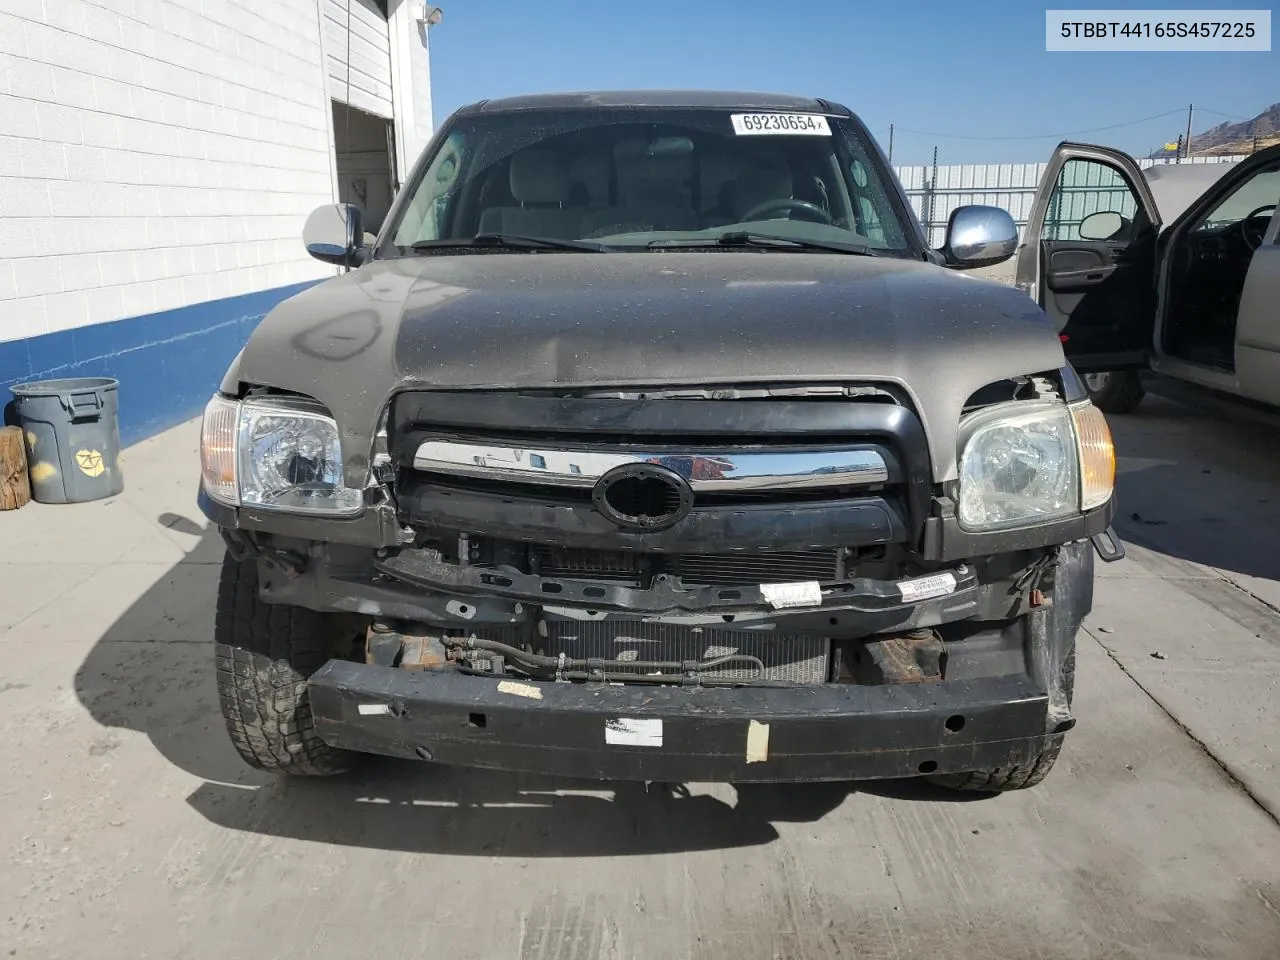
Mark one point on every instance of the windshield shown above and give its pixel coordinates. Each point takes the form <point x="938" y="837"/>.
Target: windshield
<point x="1259" y="192"/>
<point x="647" y="178"/>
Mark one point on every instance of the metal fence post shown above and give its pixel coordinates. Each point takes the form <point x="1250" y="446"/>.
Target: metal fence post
<point x="933" y="191"/>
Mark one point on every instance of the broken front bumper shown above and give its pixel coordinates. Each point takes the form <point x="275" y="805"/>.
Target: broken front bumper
<point x="610" y="732"/>
<point x="991" y="709"/>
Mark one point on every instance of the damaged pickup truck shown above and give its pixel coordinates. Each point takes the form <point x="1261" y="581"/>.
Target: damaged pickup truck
<point x="649" y="440"/>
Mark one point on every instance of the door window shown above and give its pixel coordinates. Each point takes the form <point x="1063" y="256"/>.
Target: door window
<point x="1086" y="187"/>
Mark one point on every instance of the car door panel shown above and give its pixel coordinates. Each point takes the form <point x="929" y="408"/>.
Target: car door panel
<point x="1255" y="372"/>
<point x="1258" y="322"/>
<point x="1072" y="271"/>
<point x="1099" y="293"/>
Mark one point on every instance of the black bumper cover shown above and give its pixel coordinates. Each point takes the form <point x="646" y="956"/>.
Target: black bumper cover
<point x="830" y="732"/>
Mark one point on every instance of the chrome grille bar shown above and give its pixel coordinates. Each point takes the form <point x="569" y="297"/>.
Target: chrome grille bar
<point x="706" y="472"/>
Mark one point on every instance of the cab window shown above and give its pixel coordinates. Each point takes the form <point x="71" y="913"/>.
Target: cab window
<point x="1087" y="187"/>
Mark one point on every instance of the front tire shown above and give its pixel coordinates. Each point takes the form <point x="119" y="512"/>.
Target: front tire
<point x="1020" y="776"/>
<point x="1013" y="776"/>
<point x="1115" y="391"/>
<point x="264" y="654"/>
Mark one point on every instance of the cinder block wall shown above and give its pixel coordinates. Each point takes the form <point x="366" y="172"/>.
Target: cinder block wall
<point x="157" y="161"/>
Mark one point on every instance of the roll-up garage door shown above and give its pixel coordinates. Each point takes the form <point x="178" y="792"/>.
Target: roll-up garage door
<point x="367" y="86"/>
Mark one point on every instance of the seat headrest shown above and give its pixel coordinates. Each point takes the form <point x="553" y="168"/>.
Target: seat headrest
<point x="592" y="171"/>
<point x="539" y="176"/>
<point x="757" y="184"/>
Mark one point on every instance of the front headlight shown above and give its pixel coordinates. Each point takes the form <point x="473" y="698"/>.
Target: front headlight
<point x="1026" y="463"/>
<point x="274" y="454"/>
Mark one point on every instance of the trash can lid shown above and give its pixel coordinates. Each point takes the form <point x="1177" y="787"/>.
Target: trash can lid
<point x="53" y="388"/>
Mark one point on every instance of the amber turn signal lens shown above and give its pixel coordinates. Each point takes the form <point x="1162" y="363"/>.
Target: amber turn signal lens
<point x="218" y="449"/>
<point x="1097" y="455"/>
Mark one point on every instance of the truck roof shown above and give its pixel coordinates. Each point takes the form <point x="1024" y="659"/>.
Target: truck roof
<point x="657" y="98"/>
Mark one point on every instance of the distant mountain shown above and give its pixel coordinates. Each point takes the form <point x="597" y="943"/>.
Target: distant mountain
<point x="1231" y="138"/>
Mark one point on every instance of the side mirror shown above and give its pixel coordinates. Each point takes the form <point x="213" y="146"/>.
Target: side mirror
<point x="334" y="233"/>
<point x="979" y="236"/>
<point x="1103" y="225"/>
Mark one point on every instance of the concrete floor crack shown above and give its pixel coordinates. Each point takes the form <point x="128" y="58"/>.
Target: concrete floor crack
<point x="1274" y="815"/>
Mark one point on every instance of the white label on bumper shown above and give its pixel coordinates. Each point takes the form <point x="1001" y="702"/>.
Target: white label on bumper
<point x="757" y="742"/>
<point x="925" y="588"/>
<point x="520" y="689"/>
<point x="779" y="595"/>
<point x="374" y="709"/>
<point x="626" y="732"/>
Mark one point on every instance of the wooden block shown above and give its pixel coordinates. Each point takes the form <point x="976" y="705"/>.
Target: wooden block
<point x="15" y="486"/>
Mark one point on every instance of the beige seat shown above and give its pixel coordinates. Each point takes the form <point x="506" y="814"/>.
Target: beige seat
<point x="651" y="192"/>
<point x="539" y="181"/>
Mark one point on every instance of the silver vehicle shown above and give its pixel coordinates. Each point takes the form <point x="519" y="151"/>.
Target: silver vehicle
<point x="1173" y="270"/>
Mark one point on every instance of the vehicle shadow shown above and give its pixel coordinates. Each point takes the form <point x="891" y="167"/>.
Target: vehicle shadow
<point x="152" y="672"/>
<point x="1197" y="486"/>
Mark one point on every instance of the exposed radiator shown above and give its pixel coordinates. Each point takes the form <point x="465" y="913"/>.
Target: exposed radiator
<point x="709" y="569"/>
<point x="795" y="659"/>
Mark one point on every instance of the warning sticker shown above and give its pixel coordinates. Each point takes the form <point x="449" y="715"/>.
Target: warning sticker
<point x="90" y="462"/>
<point x="626" y="732"/>
<point x="804" y="594"/>
<point x="925" y="588"/>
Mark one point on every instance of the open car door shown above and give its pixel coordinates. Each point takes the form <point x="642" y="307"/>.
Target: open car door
<point x="1089" y="256"/>
<point x="1220" y="283"/>
<point x="1258" y="327"/>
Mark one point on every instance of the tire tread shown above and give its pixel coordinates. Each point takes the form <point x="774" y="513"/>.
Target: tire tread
<point x="1122" y="394"/>
<point x="1014" y="776"/>
<point x="263" y="655"/>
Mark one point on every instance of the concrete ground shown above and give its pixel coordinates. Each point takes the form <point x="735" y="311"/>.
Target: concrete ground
<point x="130" y="829"/>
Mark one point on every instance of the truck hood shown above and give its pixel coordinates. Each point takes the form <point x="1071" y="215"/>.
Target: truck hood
<point x="521" y="320"/>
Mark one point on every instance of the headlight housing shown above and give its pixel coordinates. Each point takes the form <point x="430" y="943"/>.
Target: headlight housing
<point x="275" y="453"/>
<point x="1026" y="463"/>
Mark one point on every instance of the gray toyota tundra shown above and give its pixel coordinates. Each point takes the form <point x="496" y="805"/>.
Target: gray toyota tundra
<point x="649" y="440"/>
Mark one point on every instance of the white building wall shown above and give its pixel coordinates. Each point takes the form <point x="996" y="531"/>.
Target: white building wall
<point x="358" y="51"/>
<point x="421" y="61"/>
<point x="155" y="154"/>
<point x="411" y="81"/>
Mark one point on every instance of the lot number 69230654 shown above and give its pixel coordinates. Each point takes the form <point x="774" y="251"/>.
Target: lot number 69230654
<point x="811" y="124"/>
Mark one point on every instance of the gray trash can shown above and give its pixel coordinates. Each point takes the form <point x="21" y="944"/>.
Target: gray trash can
<point x="72" y="431"/>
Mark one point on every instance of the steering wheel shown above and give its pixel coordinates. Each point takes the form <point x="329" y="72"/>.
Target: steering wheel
<point x="1253" y="235"/>
<point x="789" y="204"/>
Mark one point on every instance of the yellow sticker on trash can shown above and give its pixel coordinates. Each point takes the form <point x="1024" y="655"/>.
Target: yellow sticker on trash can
<point x="90" y="462"/>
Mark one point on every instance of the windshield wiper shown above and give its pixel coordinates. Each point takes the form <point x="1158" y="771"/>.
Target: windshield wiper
<point x="510" y="241"/>
<point x="741" y="238"/>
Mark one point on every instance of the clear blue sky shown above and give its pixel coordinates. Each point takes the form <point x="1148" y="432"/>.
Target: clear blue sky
<point x="974" y="68"/>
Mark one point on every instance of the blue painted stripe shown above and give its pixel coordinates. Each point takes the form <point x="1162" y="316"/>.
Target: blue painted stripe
<point x="168" y="363"/>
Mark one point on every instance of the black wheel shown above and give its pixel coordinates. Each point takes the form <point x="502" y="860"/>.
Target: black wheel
<point x="264" y="654"/>
<point x="1014" y="776"/>
<point x="1116" y="391"/>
